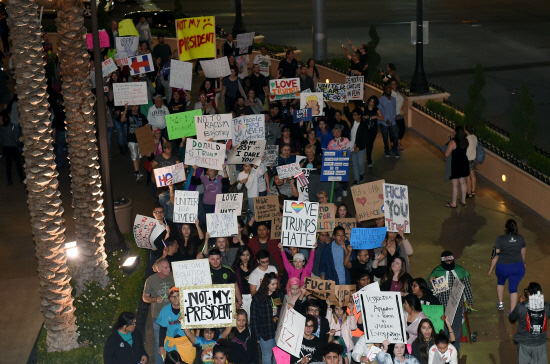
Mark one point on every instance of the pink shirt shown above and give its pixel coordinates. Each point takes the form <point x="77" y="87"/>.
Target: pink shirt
<point x="340" y="144"/>
<point x="293" y="272"/>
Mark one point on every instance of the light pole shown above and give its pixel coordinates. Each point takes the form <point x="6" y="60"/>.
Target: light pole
<point x="319" y="29"/>
<point x="419" y="83"/>
<point x="238" y="26"/>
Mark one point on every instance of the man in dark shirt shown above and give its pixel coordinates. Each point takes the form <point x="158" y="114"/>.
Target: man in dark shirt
<point x="288" y="67"/>
<point x="356" y="68"/>
<point x="356" y="266"/>
<point x="306" y="82"/>
<point x="169" y="226"/>
<point x="171" y="251"/>
<point x="241" y="108"/>
<point x="162" y="51"/>
<point x="229" y="46"/>
<point x="134" y="120"/>
<point x="222" y="274"/>
<point x="259" y="83"/>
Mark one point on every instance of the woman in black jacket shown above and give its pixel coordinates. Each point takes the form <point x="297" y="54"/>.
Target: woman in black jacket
<point x="420" y="289"/>
<point x="366" y="135"/>
<point x="124" y="345"/>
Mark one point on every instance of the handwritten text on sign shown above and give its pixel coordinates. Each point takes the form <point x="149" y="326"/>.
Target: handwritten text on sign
<point x="354" y="87"/>
<point x="222" y="225"/>
<point x="249" y="151"/>
<point x="186" y="206"/>
<point x="204" y="154"/>
<point x="290" y="332"/>
<point x="248" y="127"/>
<point x="289" y="170"/>
<point x="229" y="202"/>
<point x="334" y="92"/>
<point x="396" y="207"/>
<point x="320" y="288"/>
<point x="182" y="124"/>
<point x="271" y="155"/>
<point x="191" y="272"/>
<point x="170" y="175"/>
<point x="299" y="224"/>
<point x="266" y="207"/>
<point x="217" y="127"/>
<point x="216" y="68"/>
<point x="327" y="214"/>
<point x="128" y="45"/>
<point x="383" y="317"/>
<point x="131" y="93"/>
<point x="181" y="74"/>
<point x="368" y="200"/>
<point x="440" y="285"/>
<point x="276" y="227"/>
<point x="347" y="224"/>
<point x="286" y="88"/>
<point x="108" y="66"/>
<point x="208" y="306"/>
<point x="196" y="38"/>
<point x="367" y="238"/>
<point x="344" y="295"/>
<point x="146" y="229"/>
<point x="455" y="300"/>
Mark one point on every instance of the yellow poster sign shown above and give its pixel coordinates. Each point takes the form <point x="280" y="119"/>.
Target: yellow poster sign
<point x="196" y="38"/>
<point x="127" y="27"/>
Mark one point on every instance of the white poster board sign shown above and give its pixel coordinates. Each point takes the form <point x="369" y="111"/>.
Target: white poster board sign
<point x="128" y="45"/>
<point x="186" y="206"/>
<point x="354" y="87"/>
<point x="229" y="203"/>
<point x="303" y="189"/>
<point x="290" y="332"/>
<point x="108" y="66"/>
<point x="146" y="230"/>
<point x="289" y="170"/>
<point x="245" y="40"/>
<point x="313" y="101"/>
<point x="131" y="93"/>
<point x="373" y="287"/>
<point x="396" y="207"/>
<point x="299" y="224"/>
<point x="248" y="127"/>
<point x="217" y="127"/>
<point x="271" y="155"/>
<point x="383" y="317"/>
<point x="121" y="58"/>
<point x="455" y="300"/>
<point x="181" y="74"/>
<point x="216" y="68"/>
<point x="204" y="154"/>
<point x="222" y="225"/>
<point x="207" y="306"/>
<point x="170" y="175"/>
<point x="191" y="272"/>
<point x="249" y="151"/>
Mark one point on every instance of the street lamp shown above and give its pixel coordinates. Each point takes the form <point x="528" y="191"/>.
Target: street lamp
<point x="419" y="83"/>
<point x="238" y="26"/>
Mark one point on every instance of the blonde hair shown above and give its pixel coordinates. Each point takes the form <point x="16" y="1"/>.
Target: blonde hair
<point x="312" y="98"/>
<point x="311" y="147"/>
<point x="322" y="193"/>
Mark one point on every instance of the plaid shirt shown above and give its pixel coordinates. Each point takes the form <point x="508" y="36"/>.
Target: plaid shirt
<point x="262" y="321"/>
<point x="444" y="296"/>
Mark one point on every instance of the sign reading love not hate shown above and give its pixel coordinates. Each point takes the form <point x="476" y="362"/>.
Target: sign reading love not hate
<point x="249" y="151"/>
<point x="170" y="175"/>
<point x="229" y="203"/>
<point x="383" y="317"/>
<point x="299" y="224"/>
<point x="207" y="306"/>
<point x="248" y="127"/>
<point x="191" y="273"/>
<point x="286" y="88"/>
<point x="222" y="225"/>
<point x="367" y="238"/>
<point x="217" y="127"/>
<point x="196" y="38"/>
<point x="181" y="74"/>
<point x="368" y="200"/>
<point x="182" y="124"/>
<point x="186" y="206"/>
<point x="396" y="207"/>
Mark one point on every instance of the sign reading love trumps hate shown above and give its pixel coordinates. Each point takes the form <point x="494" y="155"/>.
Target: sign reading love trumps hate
<point x="170" y="175"/>
<point x="229" y="202"/>
<point x="299" y="224"/>
<point x="204" y="154"/>
<point x="383" y="317"/>
<point x="368" y="200"/>
<point x="207" y="306"/>
<point x="186" y="206"/>
<point x="396" y="207"/>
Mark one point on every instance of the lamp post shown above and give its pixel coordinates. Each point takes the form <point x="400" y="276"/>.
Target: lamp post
<point x="319" y="29"/>
<point x="238" y="26"/>
<point x="419" y="83"/>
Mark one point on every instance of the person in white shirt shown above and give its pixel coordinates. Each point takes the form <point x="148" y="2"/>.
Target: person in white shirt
<point x="399" y="111"/>
<point x="255" y="278"/>
<point x="444" y="350"/>
<point x="250" y="178"/>
<point x="471" y="153"/>
<point x="264" y="61"/>
<point x="157" y="116"/>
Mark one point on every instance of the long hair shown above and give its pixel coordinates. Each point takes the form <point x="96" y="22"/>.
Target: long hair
<point x="344" y="315"/>
<point x="511" y="227"/>
<point x="173" y="357"/>
<point x="422" y="285"/>
<point x="413" y="302"/>
<point x="234" y="329"/>
<point x="124" y="319"/>
<point x="376" y="101"/>
<point x="403" y="275"/>
<point x="191" y="242"/>
<point x="424" y="345"/>
<point x="222" y="346"/>
<point x="460" y="137"/>
<point x="237" y="263"/>
<point x="263" y="290"/>
<point x="348" y="214"/>
<point x="241" y="223"/>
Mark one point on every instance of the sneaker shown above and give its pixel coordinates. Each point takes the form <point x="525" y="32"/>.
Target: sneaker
<point x="500" y="306"/>
<point x="139" y="174"/>
<point x="362" y="177"/>
<point x="397" y="156"/>
<point x="345" y="193"/>
<point x="355" y="183"/>
<point x="387" y="155"/>
<point x="370" y="165"/>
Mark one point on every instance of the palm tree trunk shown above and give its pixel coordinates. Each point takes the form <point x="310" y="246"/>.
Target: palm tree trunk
<point x="42" y="185"/>
<point x="83" y="155"/>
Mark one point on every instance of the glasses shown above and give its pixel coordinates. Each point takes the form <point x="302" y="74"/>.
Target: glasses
<point x="133" y="323"/>
<point x="176" y="296"/>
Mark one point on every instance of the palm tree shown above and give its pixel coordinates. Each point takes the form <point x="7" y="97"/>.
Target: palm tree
<point x="79" y="112"/>
<point x="42" y="185"/>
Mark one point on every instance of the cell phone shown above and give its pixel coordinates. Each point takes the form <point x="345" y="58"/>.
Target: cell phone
<point x="525" y="292"/>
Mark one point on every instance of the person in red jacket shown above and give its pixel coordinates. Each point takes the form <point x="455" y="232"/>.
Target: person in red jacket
<point x="263" y="241"/>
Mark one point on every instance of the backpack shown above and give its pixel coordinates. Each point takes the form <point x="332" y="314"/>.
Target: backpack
<point x="480" y="153"/>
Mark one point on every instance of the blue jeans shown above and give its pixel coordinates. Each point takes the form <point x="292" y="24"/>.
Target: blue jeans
<point x="121" y="133"/>
<point x="267" y="350"/>
<point x="358" y="162"/>
<point x="59" y="145"/>
<point x="393" y="133"/>
<point x="156" y="330"/>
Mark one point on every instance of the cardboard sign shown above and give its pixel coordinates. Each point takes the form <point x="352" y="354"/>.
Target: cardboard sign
<point x="327" y="215"/>
<point x="343" y="294"/>
<point x="439" y="285"/>
<point x="207" y="306"/>
<point x="182" y="124"/>
<point x="383" y="317"/>
<point x="373" y="287"/>
<point x="141" y="64"/>
<point x="354" y="87"/>
<point x="335" y="165"/>
<point x="170" y="175"/>
<point x="217" y="127"/>
<point x="434" y="313"/>
<point x="196" y="38"/>
<point x="131" y="93"/>
<point x="290" y="332"/>
<point x="396" y="207"/>
<point x="276" y="227"/>
<point x="103" y="40"/>
<point x="108" y="66"/>
<point x="181" y="74"/>
<point x="454" y="302"/>
<point x="204" y="154"/>
<point x="266" y="207"/>
<point x="191" y="273"/>
<point x="367" y="238"/>
<point x="146" y="142"/>
<point x="368" y="200"/>
<point x="313" y="101"/>
<point x="186" y="206"/>
<point x="289" y="170"/>
<point x="302" y="115"/>
<point x="146" y="230"/>
<point x="335" y="92"/>
<point x="300" y="224"/>
<point x="320" y="288"/>
<point x="216" y="68"/>
<point x="249" y="151"/>
<point x="222" y="225"/>
<point x="347" y="224"/>
<point x="303" y="189"/>
<point x="121" y="59"/>
<point x="126" y="27"/>
<point x="248" y="127"/>
<point x="286" y="88"/>
<point x="127" y="45"/>
<point x="271" y="155"/>
<point x="229" y="203"/>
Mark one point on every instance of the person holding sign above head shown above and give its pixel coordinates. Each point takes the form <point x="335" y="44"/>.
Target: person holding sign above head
<point x="169" y="226"/>
<point x="298" y="268"/>
<point x="311" y="345"/>
<point x="332" y="260"/>
<point x="206" y="342"/>
<point x="444" y="350"/>
<point x="249" y="177"/>
<point x="124" y="345"/>
<point x="213" y="185"/>
<point x="157" y="116"/>
<point x="395" y="245"/>
<point x="190" y="239"/>
<point x="284" y="186"/>
<point x="256" y="277"/>
<point x="244" y="344"/>
<point x="397" y="279"/>
<point x="400" y="355"/>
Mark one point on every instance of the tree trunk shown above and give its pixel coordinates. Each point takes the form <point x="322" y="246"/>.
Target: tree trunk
<point x="42" y="185"/>
<point x="83" y="155"/>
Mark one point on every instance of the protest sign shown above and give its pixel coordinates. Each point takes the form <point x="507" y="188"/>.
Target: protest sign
<point x="434" y="313"/>
<point x="454" y="302"/>
<point x="368" y="200"/>
<point x="354" y="87"/>
<point x="204" y="154"/>
<point x="286" y="88"/>
<point x="373" y="287"/>
<point x="266" y="207"/>
<point x="146" y="143"/>
<point x="196" y="38"/>
<point x="108" y="66"/>
<point x="217" y="127"/>
<point x="128" y="45"/>
<point x="373" y="352"/>
<point x="248" y="127"/>
<point x="313" y="101"/>
<point x="249" y="151"/>
<point x="396" y="207"/>
<point x="334" y="92"/>
<point x="121" y="59"/>
<point x="303" y="189"/>
<point x="302" y="115"/>
<point x="320" y="288"/>
<point x="126" y="27"/>
<point x="103" y="40"/>
<point x="327" y="214"/>
<point x="281" y="356"/>
<point x="290" y="331"/>
<point x="222" y="225"/>
<point x="182" y="124"/>
<point x="205" y="306"/>
<point x="191" y="273"/>
<point x="146" y="230"/>
<point x="383" y="317"/>
<point x="299" y="224"/>
<point x="141" y="64"/>
<point x="131" y="93"/>
<point x="437" y="359"/>
<point x="229" y="203"/>
<point x="271" y="155"/>
<point x="276" y="227"/>
<point x="347" y="224"/>
<point x="170" y="175"/>
<point x="343" y="294"/>
<point x="367" y="238"/>
<point x="245" y="40"/>
<point x="181" y="74"/>
<point x="186" y="206"/>
<point x="335" y="165"/>
<point x="439" y="284"/>
<point x="289" y="170"/>
<point x="216" y="68"/>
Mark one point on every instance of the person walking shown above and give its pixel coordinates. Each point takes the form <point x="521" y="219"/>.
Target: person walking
<point x="460" y="168"/>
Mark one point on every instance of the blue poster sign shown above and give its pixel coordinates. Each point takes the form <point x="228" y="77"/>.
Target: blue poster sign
<point x="335" y="166"/>
<point x="367" y="238"/>
<point x="302" y="115"/>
